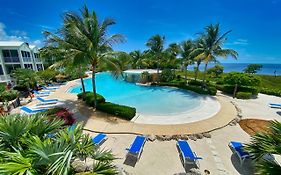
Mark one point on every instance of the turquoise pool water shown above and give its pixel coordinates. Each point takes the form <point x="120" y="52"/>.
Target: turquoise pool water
<point x="147" y="100"/>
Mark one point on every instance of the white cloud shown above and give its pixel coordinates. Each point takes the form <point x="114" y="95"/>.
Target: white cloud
<point x="240" y="42"/>
<point x="16" y="35"/>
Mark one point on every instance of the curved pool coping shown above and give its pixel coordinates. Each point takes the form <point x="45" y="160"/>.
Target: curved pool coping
<point x="209" y="106"/>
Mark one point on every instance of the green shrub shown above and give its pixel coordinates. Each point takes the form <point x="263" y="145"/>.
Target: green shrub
<point x="22" y="88"/>
<point x="195" y="82"/>
<point x="215" y="71"/>
<point x="212" y="90"/>
<point x="230" y="89"/>
<point x="8" y="95"/>
<point x="2" y="88"/>
<point x="124" y="112"/>
<point x="88" y="97"/>
<point x="269" y="91"/>
<point x="167" y="75"/>
<point x="241" y="79"/>
<point x="243" y="95"/>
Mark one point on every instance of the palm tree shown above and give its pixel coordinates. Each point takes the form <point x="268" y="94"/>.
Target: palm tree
<point x="137" y="59"/>
<point x="187" y="56"/>
<point x="62" y="60"/>
<point x="84" y="37"/>
<point x="170" y="56"/>
<point x="156" y="47"/>
<point x="265" y="143"/>
<point x="210" y="46"/>
<point x="27" y="149"/>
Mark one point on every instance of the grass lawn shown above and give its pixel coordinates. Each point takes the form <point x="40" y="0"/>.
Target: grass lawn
<point x="267" y="81"/>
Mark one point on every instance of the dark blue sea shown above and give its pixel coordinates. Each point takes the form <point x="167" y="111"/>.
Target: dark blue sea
<point x="267" y="69"/>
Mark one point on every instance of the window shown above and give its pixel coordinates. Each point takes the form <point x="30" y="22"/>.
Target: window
<point x="10" y="55"/>
<point x="11" y="67"/>
<point x="28" y="66"/>
<point x="39" y="66"/>
<point x="1" y="70"/>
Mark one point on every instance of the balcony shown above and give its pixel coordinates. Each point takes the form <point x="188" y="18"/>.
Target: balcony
<point x="12" y="59"/>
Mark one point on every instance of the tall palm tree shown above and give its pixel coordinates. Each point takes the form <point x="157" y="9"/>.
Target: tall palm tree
<point x="85" y="37"/>
<point x="210" y="46"/>
<point x="137" y="59"/>
<point x="61" y="60"/>
<point x="170" y="56"/>
<point x="156" y="48"/>
<point x="187" y="56"/>
<point x="264" y="143"/>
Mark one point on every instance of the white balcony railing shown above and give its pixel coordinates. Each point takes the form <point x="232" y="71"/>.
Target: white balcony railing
<point x="5" y="78"/>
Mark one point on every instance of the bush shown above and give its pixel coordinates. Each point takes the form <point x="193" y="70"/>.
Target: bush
<point x="124" y="112"/>
<point x="167" y="75"/>
<point x="243" y="95"/>
<point x="268" y="91"/>
<point x="215" y="71"/>
<point x="8" y="95"/>
<point x="47" y="75"/>
<point x="230" y="89"/>
<point x="195" y="82"/>
<point x="88" y="97"/>
<point x="241" y="79"/>
<point x="212" y="90"/>
<point x="61" y="113"/>
<point x="22" y="88"/>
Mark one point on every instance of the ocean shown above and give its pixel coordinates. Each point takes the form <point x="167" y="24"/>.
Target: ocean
<point x="267" y="69"/>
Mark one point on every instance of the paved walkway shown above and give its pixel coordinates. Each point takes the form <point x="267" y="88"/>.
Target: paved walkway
<point x="101" y="122"/>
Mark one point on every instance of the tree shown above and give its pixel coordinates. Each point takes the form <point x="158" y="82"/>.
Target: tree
<point x="27" y="149"/>
<point x="210" y="46"/>
<point x="137" y="59"/>
<point x="253" y="68"/>
<point x="170" y="60"/>
<point x="215" y="71"/>
<point x="25" y="77"/>
<point x="187" y="56"/>
<point x="85" y="37"/>
<point x="156" y="48"/>
<point x="265" y="143"/>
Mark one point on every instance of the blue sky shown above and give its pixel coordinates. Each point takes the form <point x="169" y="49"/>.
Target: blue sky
<point x="256" y="24"/>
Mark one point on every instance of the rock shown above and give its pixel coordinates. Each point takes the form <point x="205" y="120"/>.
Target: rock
<point x="151" y="138"/>
<point x="175" y="137"/>
<point x="79" y="165"/>
<point x="207" y="135"/>
<point x="199" y="136"/>
<point x="160" y="138"/>
<point x="185" y="137"/>
<point x="192" y="137"/>
<point x="237" y="119"/>
<point x="168" y="138"/>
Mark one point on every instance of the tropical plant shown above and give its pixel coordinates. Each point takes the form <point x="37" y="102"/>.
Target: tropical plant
<point x="156" y="48"/>
<point x="47" y="75"/>
<point x="187" y="55"/>
<point x="216" y="71"/>
<point x="84" y="37"/>
<point x="170" y="60"/>
<point x="25" y="77"/>
<point x="138" y="60"/>
<point x="266" y="143"/>
<point x="253" y="68"/>
<point x="210" y="46"/>
<point x="35" y="145"/>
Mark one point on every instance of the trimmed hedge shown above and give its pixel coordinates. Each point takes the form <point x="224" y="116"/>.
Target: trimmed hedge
<point x="125" y="112"/>
<point x="121" y="111"/>
<point x="243" y="95"/>
<point x="268" y="91"/>
<point x="88" y="97"/>
<point x="230" y="88"/>
<point x="198" y="89"/>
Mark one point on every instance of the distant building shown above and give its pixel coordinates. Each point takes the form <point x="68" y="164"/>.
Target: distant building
<point x="17" y="54"/>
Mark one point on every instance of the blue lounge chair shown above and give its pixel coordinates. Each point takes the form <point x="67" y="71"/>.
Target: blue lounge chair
<point x="186" y="153"/>
<point x="41" y="93"/>
<point x="30" y="111"/>
<point x="274" y="105"/>
<point x="136" y="148"/>
<point x="99" y="139"/>
<point x="46" y="102"/>
<point x="238" y="148"/>
<point x="49" y="88"/>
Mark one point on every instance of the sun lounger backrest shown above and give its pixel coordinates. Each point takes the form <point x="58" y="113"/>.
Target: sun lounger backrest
<point x="239" y="148"/>
<point x="137" y="145"/>
<point x="99" y="138"/>
<point x="186" y="150"/>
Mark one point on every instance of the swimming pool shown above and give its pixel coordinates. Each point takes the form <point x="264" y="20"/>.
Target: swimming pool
<point x="148" y="100"/>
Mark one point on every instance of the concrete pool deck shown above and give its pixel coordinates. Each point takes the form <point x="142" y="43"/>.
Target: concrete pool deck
<point x="101" y="122"/>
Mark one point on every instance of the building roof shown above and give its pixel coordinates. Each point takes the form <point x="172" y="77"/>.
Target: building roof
<point x="11" y="43"/>
<point x="32" y="47"/>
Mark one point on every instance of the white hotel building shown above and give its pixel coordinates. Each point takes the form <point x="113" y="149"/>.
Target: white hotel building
<point x="17" y="54"/>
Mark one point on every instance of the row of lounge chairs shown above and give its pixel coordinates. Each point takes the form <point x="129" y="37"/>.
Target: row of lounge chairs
<point x="274" y="105"/>
<point x="44" y="104"/>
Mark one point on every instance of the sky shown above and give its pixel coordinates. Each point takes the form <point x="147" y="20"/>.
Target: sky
<point x="255" y="24"/>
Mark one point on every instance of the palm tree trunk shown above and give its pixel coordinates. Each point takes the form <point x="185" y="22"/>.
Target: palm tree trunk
<point x="185" y="73"/>
<point x="205" y="72"/>
<point x="197" y="71"/>
<point x="82" y="82"/>
<point x="94" y="84"/>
